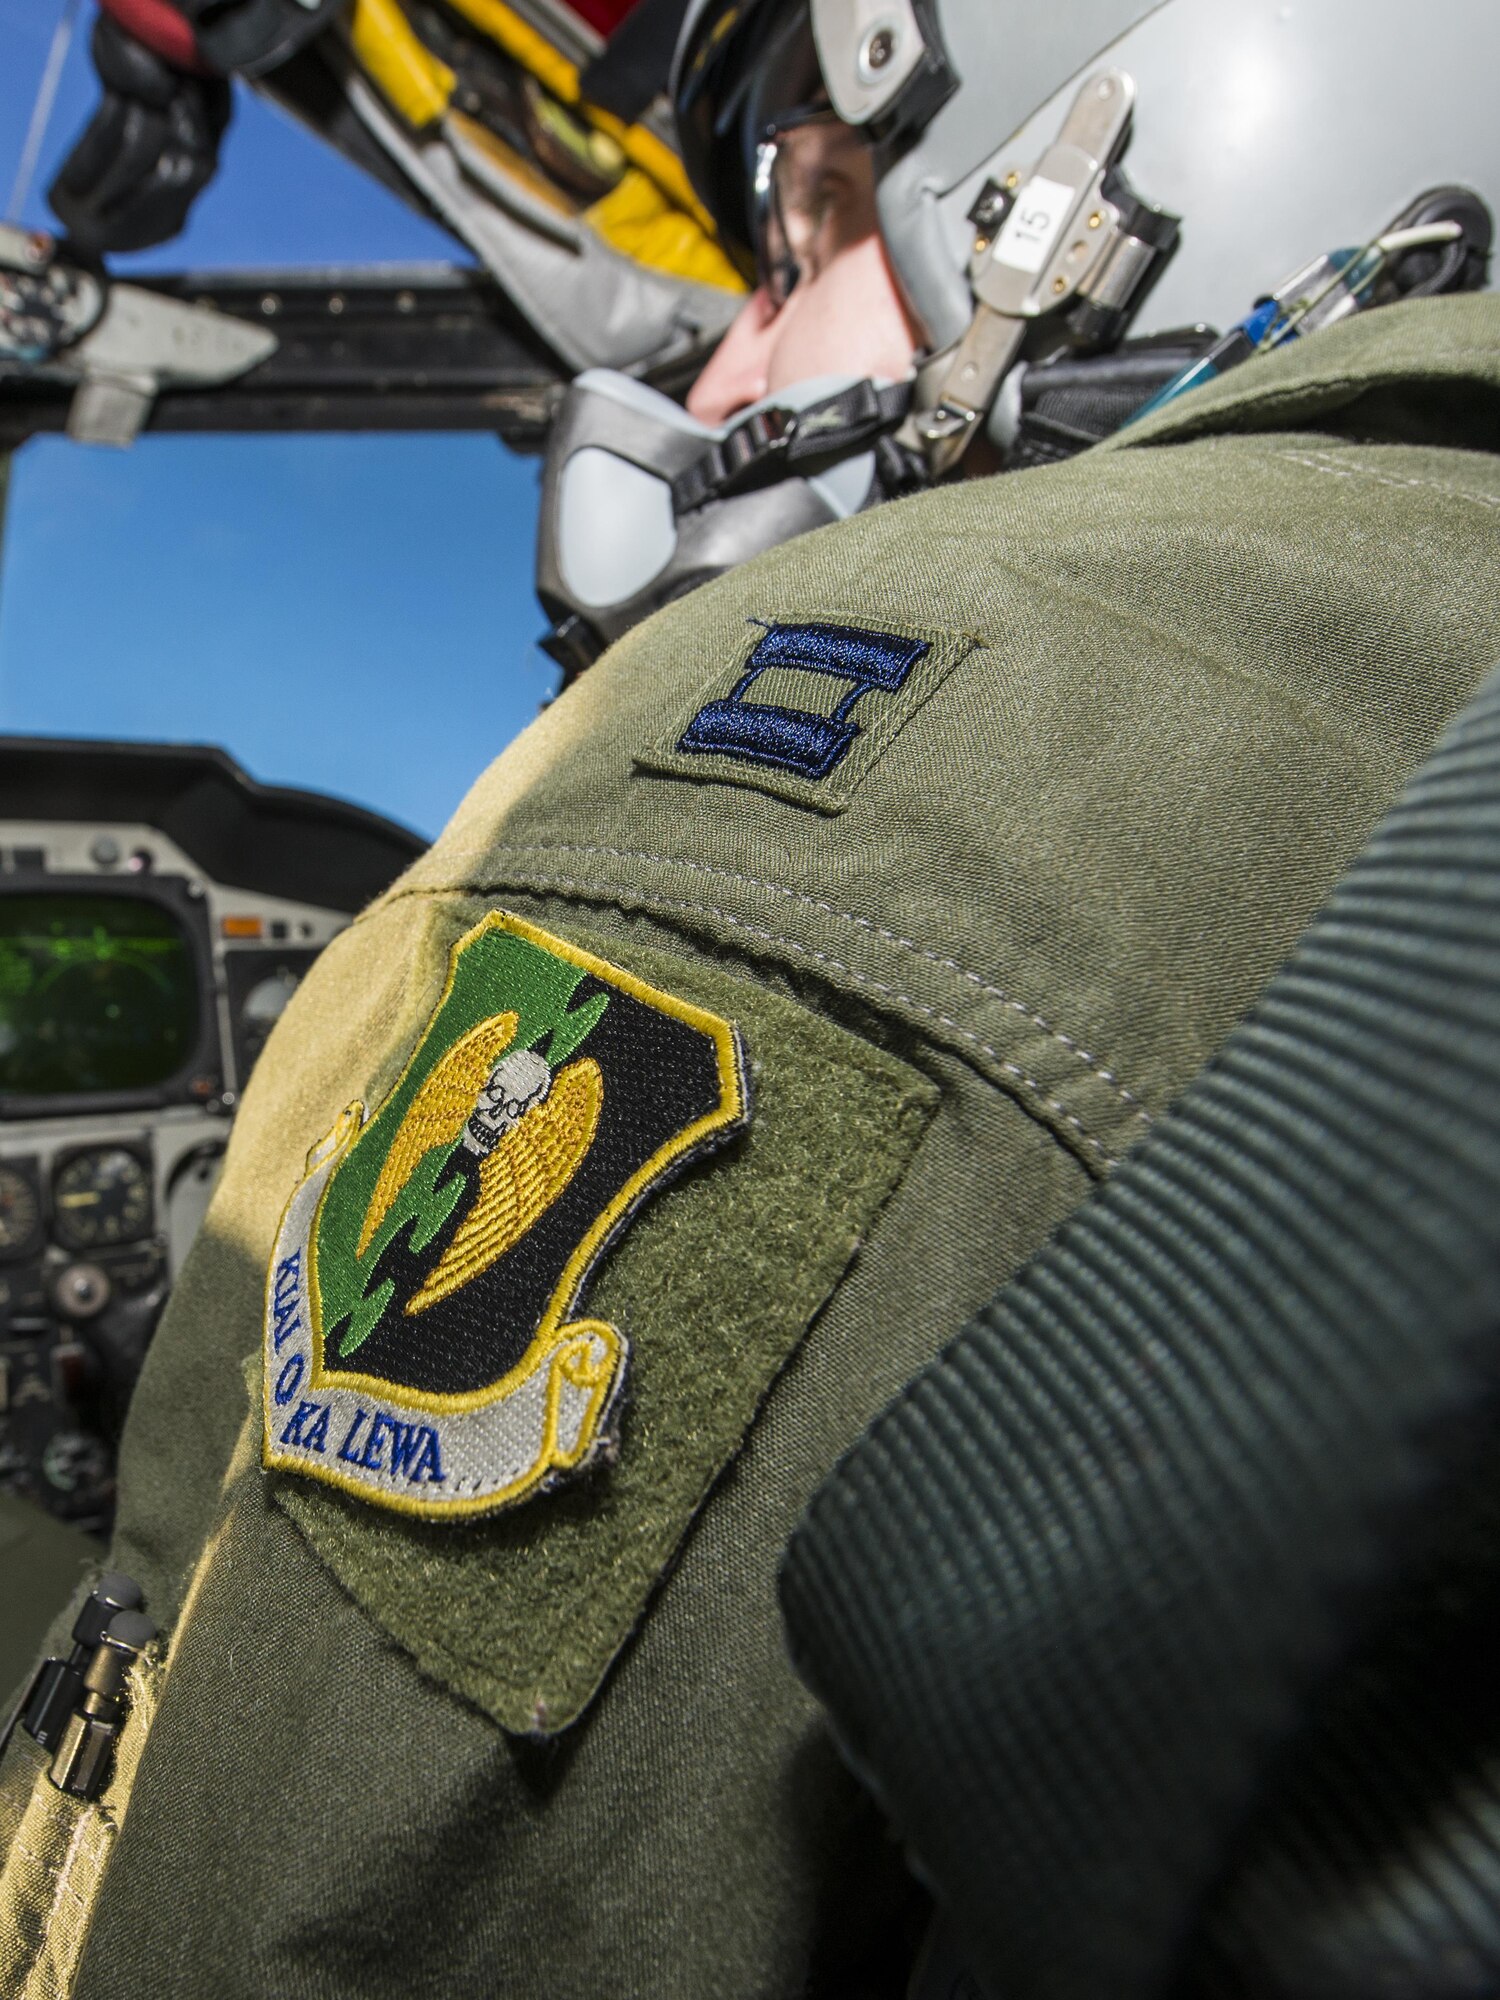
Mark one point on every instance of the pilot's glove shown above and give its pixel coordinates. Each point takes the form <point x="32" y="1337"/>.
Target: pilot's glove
<point x="250" y="37"/>
<point x="150" y="147"/>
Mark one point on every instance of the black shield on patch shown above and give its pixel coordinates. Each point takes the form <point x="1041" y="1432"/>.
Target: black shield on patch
<point x="550" y="1094"/>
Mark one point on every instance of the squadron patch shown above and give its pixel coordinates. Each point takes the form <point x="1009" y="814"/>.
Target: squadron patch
<point x="419" y="1347"/>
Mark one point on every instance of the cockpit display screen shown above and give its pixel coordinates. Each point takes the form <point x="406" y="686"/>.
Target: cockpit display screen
<point x="97" y="994"/>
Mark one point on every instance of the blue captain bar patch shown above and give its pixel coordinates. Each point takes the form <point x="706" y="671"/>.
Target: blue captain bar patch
<point x="796" y="739"/>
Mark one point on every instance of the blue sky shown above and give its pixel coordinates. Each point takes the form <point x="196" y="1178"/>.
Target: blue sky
<point x="353" y="614"/>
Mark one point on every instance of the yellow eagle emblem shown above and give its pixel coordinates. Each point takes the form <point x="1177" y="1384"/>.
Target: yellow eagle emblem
<point x="530" y="1128"/>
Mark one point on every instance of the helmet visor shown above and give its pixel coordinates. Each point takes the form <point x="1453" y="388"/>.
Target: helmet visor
<point x="745" y="66"/>
<point x="813" y="193"/>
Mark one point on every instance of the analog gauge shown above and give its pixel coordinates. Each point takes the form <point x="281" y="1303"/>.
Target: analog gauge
<point x="20" y="1214"/>
<point x="102" y="1197"/>
<point x="263" y="1007"/>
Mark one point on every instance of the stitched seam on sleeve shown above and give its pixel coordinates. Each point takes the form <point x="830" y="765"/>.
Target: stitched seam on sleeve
<point x="1352" y="469"/>
<point x="908" y="945"/>
<point x="57" y="1870"/>
<point x="1029" y="1085"/>
<point x="65" y="1869"/>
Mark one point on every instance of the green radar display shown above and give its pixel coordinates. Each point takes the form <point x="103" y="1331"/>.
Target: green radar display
<point x="98" y="994"/>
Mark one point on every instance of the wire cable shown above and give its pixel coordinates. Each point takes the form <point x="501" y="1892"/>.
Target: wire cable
<point x="41" y="109"/>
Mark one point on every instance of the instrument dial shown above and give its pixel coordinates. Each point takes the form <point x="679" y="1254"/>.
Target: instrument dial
<point x="102" y="1197"/>
<point x="263" y="1007"/>
<point x="20" y="1214"/>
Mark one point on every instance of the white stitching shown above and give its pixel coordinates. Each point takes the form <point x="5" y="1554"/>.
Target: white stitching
<point x="65" y="1868"/>
<point x="1356" y="471"/>
<point x="54" y="1869"/>
<point x="567" y="883"/>
<point x="865" y="924"/>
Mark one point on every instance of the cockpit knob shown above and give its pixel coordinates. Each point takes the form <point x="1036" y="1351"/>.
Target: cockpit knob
<point x="81" y="1291"/>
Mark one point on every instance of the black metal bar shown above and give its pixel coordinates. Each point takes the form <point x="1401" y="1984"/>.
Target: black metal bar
<point x="426" y="348"/>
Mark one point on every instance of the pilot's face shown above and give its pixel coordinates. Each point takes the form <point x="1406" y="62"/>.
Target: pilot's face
<point x="827" y="303"/>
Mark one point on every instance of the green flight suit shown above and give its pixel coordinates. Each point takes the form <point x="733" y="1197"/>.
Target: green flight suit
<point x="1159" y="697"/>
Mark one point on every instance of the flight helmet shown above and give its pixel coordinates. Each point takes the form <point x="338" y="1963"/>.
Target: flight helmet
<point x="1084" y="208"/>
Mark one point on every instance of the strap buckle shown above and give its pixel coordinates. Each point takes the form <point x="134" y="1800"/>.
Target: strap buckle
<point x="763" y="434"/>
<point x="763" y="445"/>
<point x="742" y="458"/>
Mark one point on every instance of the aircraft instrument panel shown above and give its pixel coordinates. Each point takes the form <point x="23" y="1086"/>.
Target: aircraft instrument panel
<point x="158" y="910"/>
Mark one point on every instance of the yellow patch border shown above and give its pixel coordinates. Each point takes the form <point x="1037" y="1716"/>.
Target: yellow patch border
<point x="554" y="1341"/>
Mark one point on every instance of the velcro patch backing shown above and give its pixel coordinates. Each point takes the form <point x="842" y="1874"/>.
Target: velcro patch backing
<point x="713" y="1285"/>
<point x="808" y="708"/>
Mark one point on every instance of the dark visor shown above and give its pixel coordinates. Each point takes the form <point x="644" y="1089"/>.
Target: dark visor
<point x="748" y="70"/>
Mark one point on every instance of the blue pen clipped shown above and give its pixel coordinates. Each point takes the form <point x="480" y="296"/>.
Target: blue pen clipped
<point x="1330" y="288"/>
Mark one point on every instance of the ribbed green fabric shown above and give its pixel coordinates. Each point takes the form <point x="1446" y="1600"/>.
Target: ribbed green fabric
<point x="1074" y="1590"/>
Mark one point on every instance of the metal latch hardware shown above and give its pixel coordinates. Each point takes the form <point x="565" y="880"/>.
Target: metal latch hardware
<point x="76" y="1707"/>
<point x="1048" y="238"/>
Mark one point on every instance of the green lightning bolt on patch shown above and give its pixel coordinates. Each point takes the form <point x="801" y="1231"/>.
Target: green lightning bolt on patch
<point x="420" y="1344"/>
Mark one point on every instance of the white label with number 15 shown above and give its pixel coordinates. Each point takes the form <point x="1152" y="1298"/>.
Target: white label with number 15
<point x="1033" y="225"/>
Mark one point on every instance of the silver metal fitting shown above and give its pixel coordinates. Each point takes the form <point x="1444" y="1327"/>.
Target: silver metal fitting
<point x="81" y="1762"/>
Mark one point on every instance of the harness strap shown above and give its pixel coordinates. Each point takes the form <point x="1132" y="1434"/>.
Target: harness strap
<point x="1076" y="1589"/>
<point x="772" y="442"/>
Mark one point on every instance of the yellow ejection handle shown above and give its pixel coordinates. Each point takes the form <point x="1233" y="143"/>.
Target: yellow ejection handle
<point x="415" y="82"/>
